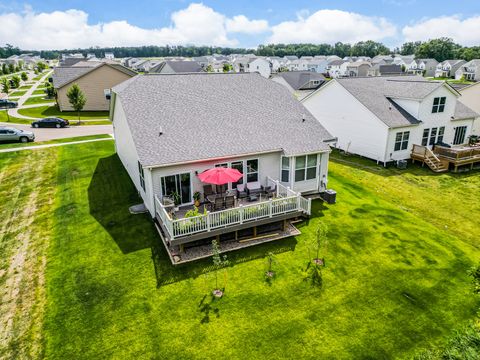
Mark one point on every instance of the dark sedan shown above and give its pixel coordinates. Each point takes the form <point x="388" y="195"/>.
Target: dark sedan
<point x="7" y="104"/>
<point x="50" y="123"/>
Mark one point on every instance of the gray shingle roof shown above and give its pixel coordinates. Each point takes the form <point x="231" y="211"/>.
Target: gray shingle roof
<point x="63" y="75"/>
<point x="203" y="116"/>
<point x="376" y="94"/>
<point x="462" y="111"/>
<point x="178" y="67"/>
<point x="298" y="79"/>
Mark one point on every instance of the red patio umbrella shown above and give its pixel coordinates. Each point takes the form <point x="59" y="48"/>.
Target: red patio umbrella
<point x="220" y="176"/>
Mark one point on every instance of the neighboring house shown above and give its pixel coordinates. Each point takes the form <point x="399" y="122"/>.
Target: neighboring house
<point x="95" y="79"/>
<point x="448" y="68"/>
<point x="469" y="71"/>
<point x="300" y="83"/>
<point x="318" y="65"/>
<point x="384" y="70"/>
<point x="337" y="68"/>
<point x="424" y="67"/>
<point x="109" y="56"/>
<point x="176" y="67"/>
<point x="145" y="65"/>
<point x="240" y="63"/>
<point x="471" y="98"/>
<point x="277" y="63"/>
<point x="358" y="68"/>
<point x="381" y="118"/>
<point x="203" y="61"/>
<point x="405" y="61"/>
<point x="262" y="131"/>
<point x="259" y="65"/>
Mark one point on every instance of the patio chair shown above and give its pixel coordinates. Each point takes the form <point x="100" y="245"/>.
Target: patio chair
<point x="207" y="190"/>
<point x="229" y="201"/>
<point x="241" y="193"/>
<point x="218" y="204"/>
<point x="270" y="191"/>
<point x="253" y="188"/>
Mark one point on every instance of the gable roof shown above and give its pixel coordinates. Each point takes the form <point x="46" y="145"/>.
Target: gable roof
<point x="462" y="111"/>
<point x="178" y="67"/>
<point x="378" y="94"/>
<point x="63" y="75"/>
<point x="258" y="116"/>
<point x="298" y="79"/>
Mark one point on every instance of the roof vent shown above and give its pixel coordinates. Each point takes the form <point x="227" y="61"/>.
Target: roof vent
<point x="303" y="117"/>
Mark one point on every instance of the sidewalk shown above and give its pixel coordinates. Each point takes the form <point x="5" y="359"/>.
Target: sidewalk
<point x="35" y="147"/>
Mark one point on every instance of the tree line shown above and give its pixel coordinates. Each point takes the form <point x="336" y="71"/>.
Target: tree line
<point x="440" y="49"/>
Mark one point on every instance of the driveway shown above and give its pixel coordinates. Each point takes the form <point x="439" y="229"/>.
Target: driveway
<point x="73" y="131"/>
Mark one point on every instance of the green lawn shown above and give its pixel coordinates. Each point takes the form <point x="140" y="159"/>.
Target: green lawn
<point x="395" y="281"/>
<point x="14" y="120"/>
<point x="25" y="87"/>
<point x="39" y="91"/>
<point x="44" y="111"/>
<point x="18" y="93"/>
<point x="56" y="141"/>
<point x="38" y="100"/>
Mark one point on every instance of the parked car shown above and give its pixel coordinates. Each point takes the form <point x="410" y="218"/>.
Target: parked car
<point x="5" y="104"/>
<point x="12" y="134"/>
<point x="51" y="122"/>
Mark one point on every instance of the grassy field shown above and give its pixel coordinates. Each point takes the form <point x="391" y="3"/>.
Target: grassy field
<point x="93" y="281"/>
<point x="44" y="111"/>
<point x="10" y="145"/>
<point x="38" y="100"/>
<point x="14" y="120"/>
<point x="18" y="93"/>
<point x="39" y="91"/>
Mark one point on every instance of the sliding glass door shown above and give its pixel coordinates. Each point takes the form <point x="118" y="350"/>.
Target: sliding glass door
<point x="180" y="184"/>
<point x="460" y="132"/>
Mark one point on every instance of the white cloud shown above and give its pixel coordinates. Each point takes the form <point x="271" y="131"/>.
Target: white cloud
<point x="331" y="26"/>
<point x="241" y="24"/>
<point x="197" y="24"/>
<point x="464" y="31"/>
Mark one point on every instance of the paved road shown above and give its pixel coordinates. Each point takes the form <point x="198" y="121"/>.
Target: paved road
<point x="51" y="134"/>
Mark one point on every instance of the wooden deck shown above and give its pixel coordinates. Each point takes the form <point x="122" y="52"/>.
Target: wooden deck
<point x="441" y="158"/>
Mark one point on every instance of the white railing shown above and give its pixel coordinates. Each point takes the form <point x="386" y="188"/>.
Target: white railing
<point x="287" y="201"/>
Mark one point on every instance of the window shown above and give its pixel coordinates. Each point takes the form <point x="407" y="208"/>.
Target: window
<point x="142" y="176"/>
<point x="305" y="167"/>
<point x="425" y="137"/>
<point x="460" y="133"/>
<point x="252" y="170"/>
<point x="179" y="184"/>
<point x="441" y="132"/>
<point x="285" y="169"/>
<point x="239" y="166"/>
<point x="401" y="140"/>
<point x="433" y="136"/>
<point x="439" y="104"/>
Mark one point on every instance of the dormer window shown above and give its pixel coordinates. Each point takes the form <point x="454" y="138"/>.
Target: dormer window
<point x="439" y="104"/>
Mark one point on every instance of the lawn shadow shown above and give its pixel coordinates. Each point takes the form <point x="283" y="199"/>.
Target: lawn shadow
<point x="110" y="194"/>
<point x="207" y="306"/>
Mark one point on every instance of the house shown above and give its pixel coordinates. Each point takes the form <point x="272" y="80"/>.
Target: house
<point x="176" y="67"/>
<point x="109" y="56"/>
<point x="358" y="68"/>
<point x="259" y="65"/>
<point x="424" y="67"/>
<point x="300" y="83"/>
<point x="471" y="98"/>
<point x="318" y="65"/>
<point x="448" y="68"/>
<point x="203" y="61"/>
<point x="95" y="79"/>
<point x="337" y="68"/>
<point x="262" y="131"/>
<point x="469" y="71"/>
<point x="240" y="63"/>
<point x="384" y="70"/>
<point x="384" y="118"/>
<point x="404" y="61"/>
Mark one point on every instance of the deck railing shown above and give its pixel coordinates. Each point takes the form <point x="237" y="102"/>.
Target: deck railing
<point x="287" y="201"/>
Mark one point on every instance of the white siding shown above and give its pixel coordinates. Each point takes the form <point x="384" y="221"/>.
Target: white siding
<point x="128" y="154"/>
<point x="357" y="129"/>
<point x="471" y="98"/>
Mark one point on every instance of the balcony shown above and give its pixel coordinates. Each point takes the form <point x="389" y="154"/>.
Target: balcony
<point x="284" y="204"/>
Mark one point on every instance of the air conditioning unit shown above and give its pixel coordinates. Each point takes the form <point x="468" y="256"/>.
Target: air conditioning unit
<point x="402" y="164"/>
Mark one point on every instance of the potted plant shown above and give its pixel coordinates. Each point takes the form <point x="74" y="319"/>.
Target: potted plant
<point x="176" y="199"/>
<point x="196" y="198"/>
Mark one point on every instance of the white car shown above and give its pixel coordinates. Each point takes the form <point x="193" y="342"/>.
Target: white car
<point x="12" y="134"/>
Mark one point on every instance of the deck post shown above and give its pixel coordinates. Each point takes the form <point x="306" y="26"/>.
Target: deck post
<point x="276" y="187"/>
<point x="270" y="212"/>
<point x="309" y="211"/>
<point x="240" y="212"/>
<point x="298" y="202"/>
<point x="208" y="220"/>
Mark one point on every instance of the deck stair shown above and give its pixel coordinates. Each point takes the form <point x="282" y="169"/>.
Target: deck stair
<point x="427" y="156"/>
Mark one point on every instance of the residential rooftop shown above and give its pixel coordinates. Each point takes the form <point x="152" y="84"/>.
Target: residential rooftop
<point x="175" y="118"/>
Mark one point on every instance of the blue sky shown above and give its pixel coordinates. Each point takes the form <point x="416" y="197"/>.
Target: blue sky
<point x="219" y="22"/>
